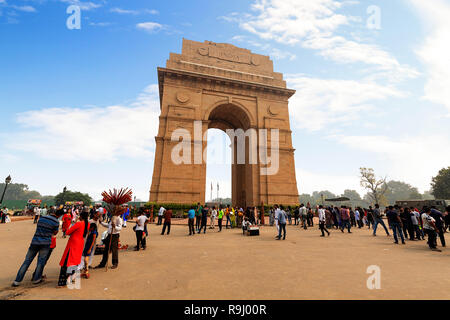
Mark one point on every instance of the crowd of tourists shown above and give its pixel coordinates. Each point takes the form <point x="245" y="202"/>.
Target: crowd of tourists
<point x="81" y="224"/>
<point x="406" y="223"/>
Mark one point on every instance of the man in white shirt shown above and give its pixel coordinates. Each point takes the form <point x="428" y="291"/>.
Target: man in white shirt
<point x="430" y="229"/>
<point x="141" y="221"/>
<point x="303" y="215"/>
<point x="322" y="221"/>
<point x="276" y="216"/>
<point x="160" y="215"/>
<point x="213" y="217"/>
<point x="114" y="228"/>
<point x="37" y="213"/>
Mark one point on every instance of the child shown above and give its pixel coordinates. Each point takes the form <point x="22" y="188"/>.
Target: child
<point x="67" y="220"/>
<point x="245" y="225"/>
<point x="88" y="247"/>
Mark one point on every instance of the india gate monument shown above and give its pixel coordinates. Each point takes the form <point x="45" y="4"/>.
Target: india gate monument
<point x="218" y="85"/>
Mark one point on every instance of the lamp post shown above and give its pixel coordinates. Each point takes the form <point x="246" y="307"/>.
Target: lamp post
<point x="7" y="181"/>
<point x="64" y="196"/>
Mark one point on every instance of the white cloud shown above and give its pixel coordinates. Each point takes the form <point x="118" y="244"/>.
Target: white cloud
<point x="133" y="12"/>
<point x="279" y="54"/>
<point x="24" y="8"/>
<point x="314" y="25"/>
<point x="83" y="5"/>
<point x="150" y="27"/>
<point x="322" y="102"/>
<point x="413" y="159"/>
<point x="94" y="134"/>
<point x="435" y="50"/>
<point x="100" y="24"/>
<point x="308" y="182"/>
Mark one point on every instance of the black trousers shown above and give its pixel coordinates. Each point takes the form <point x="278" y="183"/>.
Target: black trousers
<point x="220" y="224"/>
<point x="159" y="220"/>
<point x="141" y="240"/>
<point x="322" y="227"/>
<point x="191" y="226"/>
<point x="441" y="235"/>
<point x="203" y="226"/>
<point x="62" y="280"/>
<point x="166" y="225"/>
<point x="114" y="249"/>
<point x="411" y="231"/>
<point x="36" y="218"/>
<point x="405" y="229"/>
<point x="431" y="238"/>
<point x="197" y="222"/>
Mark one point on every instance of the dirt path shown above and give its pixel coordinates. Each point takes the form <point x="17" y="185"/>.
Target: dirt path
<point x="227" y="265"/>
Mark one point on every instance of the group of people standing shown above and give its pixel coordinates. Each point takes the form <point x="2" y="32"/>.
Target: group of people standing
<point x="81" y="225"/>
<point x="405" y="223"/>
<point x="234" y="216"/>
<point x="4" y="215"/>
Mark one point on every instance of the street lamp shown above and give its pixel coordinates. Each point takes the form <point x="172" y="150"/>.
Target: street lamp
<point x="7" y="181"/>
<point x="64" y="195"/>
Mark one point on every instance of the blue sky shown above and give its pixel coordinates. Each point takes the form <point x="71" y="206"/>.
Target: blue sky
<point x="80" y="107"/>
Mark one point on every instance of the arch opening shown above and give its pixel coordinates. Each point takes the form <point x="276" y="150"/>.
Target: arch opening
<point x="232" y="117"/>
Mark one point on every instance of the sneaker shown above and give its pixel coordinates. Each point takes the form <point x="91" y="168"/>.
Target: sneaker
<point x="396" y="242"/>
<point x="38" y="281"/>
<point x="436" y="249"/>
<point x="15" y="284"/>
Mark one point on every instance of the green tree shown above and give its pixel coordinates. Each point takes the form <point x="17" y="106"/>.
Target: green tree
<point x="376" y="187"/>
<point x="355" y="198"/>
<point x="19" y="191"/>
<point x="398" y="190"/>
<point x="63" y="197"/>
<point x="427" y="195"/>
<point x="305" y="198"/>
<point x="440" y="184"/>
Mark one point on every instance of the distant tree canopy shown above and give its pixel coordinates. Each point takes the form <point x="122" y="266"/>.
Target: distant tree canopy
<point x="398" y="190"/>
<point x="63" y="197"/>
<point x="18" y="191"/>
<point x="440" y="184"/>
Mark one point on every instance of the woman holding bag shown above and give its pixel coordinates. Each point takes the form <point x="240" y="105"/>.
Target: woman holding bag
<point x="74" y="248"/>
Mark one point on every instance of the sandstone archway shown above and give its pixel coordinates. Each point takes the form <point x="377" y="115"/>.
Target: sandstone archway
<point x="224" y="87"/>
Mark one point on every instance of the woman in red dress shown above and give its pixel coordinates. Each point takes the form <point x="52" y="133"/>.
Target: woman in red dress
<point x="74" y="248"/>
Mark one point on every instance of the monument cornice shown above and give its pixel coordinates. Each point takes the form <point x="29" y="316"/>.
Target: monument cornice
<point x="163" y="72"/>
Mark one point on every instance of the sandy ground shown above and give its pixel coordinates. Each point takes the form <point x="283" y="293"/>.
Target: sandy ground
<point x="228" y="265"/>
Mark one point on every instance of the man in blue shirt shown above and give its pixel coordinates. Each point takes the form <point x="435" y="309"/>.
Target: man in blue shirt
<point x="282" y="217"/>
<point x="395" y="223"/>
<point x="191" y="216"/>
<point x="47" y="226"/>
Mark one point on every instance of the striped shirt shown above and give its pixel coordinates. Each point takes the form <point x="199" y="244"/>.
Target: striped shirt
<point x="45" y="229"/>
